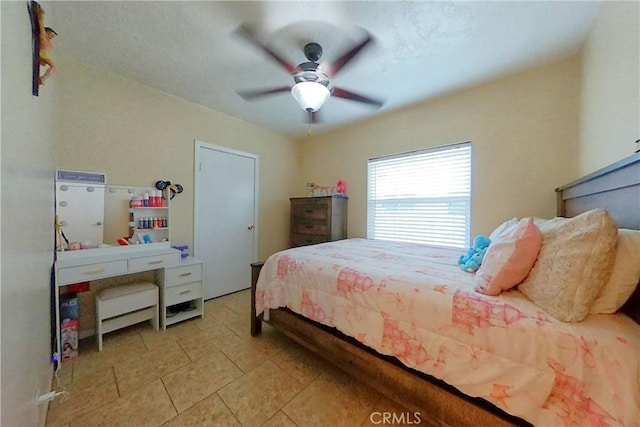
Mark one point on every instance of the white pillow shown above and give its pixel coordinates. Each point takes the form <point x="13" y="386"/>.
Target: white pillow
<point x="625" y="275"/>
<point x="500" y="230"/>
<point x="574" y="264"/>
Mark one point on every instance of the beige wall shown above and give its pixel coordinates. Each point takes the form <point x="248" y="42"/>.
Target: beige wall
<point x="27" y="225"/>
<point x="523" y="130"/>
<point x="610" y="99"/>
<point x="138" y="135"/>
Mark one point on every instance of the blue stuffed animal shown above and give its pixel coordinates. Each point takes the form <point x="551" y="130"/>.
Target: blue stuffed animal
<point x="471" y="261"/>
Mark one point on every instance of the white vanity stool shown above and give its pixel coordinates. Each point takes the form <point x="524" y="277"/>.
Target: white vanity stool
<point x="125" y="305"/>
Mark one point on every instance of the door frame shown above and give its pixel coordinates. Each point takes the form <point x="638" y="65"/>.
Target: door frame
<point x="198" y="145"/>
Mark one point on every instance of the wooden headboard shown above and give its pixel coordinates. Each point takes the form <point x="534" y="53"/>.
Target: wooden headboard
<point x="615" y="188"/>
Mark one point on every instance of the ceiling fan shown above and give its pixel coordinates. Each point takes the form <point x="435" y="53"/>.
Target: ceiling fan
<point x="312" y="80"/>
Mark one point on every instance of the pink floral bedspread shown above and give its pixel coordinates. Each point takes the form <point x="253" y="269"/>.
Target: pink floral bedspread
<point x="413" y="302"/>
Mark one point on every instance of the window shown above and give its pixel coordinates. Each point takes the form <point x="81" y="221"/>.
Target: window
<point x="421" y="196"/>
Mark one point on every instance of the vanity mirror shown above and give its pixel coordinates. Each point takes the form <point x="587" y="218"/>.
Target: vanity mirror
<point x="92" y="214"/>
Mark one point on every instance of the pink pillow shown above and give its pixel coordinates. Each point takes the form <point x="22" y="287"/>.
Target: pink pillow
<point x="509" y="258"/>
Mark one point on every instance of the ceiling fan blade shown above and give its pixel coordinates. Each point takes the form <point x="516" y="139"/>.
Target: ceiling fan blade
<point x="341" y="93"/>
<point x="250" y="95"/>
<point x="245" y="32"/>
<point x="331" y="69"/>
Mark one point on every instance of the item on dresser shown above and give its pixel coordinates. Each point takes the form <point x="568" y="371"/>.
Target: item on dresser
<point x="318" y="220"/>
<point x="184" y="250"/>
<point x="322" y="191"/>
<point x="150" y="224"/>
<point x="123" y="241"/>
<point x="136" y="201"/>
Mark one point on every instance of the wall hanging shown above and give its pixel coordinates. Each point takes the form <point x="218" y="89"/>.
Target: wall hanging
<point x="42" y="45"/>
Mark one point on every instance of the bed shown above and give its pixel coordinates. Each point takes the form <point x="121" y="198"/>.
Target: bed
<point x="437" y="364"/>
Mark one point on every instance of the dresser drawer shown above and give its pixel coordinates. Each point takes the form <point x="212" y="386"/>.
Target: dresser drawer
<point x="307" y="239"/>
<point x="315" y="227"/>
<point x="310" y="211"/>
<point x="153" y="262"/>
<point x="182" y="293"/>
<point x="181" y="275"/>
<point x="95" y="271"/>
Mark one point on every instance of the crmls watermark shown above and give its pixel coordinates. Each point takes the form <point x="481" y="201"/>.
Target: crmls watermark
<point x="397" y="418"/>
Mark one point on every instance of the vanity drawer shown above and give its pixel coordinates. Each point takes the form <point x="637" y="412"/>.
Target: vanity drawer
<point x="182" y="293"/>
<point x="153" y="262"/>
<point x="181" y="275"/>
<point x="87" y="272"/>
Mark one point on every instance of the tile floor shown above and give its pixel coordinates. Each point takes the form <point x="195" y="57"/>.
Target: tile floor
<point x="211" y="372"/>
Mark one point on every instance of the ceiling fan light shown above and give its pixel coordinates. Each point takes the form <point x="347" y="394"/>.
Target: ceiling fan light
<point x="310" y="95"/>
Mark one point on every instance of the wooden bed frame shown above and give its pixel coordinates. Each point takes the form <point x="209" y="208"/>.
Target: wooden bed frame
<point x="615" y="188"/>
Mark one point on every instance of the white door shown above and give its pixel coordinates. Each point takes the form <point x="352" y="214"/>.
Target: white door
<point x="225" y="217"/>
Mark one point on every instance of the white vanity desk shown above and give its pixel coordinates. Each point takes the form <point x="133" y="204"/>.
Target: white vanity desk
<point x="179" y="280"/>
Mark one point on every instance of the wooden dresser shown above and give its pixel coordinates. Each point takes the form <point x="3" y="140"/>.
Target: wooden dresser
<point x="317" y="220"/>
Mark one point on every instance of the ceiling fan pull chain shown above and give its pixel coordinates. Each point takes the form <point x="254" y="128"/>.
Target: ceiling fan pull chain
<point x="309" y="130"/>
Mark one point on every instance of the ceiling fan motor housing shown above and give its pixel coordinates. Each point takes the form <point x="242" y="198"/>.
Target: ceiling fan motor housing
<point x="313" y="51"/>
<point x="310" y="74"/>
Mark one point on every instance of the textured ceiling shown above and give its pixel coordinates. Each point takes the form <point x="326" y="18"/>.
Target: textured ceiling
<point x="421" y="50"/>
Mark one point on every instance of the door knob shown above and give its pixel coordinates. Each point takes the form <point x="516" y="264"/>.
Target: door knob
<point x="250" y="227"/>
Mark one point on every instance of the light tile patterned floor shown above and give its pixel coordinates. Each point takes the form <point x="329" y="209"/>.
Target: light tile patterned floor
<point x="211" y="372"/>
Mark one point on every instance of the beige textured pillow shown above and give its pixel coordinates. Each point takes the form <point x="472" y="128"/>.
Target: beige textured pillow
<point x="625" y="275"/>
<point x="573" y="265"/>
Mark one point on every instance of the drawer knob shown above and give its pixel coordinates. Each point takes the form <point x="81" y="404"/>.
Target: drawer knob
<point x="308" y="226"/>
<point x="185" y="274"/>
<point x="185" y="292"/>
<point x="96" y="271"/>
<point x="155" y="262"/>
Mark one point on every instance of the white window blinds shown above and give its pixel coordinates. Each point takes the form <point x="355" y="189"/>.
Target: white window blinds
<point x="421" y="196"/>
